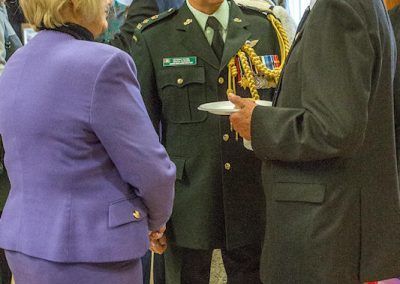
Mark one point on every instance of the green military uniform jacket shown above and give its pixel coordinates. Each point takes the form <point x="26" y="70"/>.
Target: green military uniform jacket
<point x="219" y="200"/>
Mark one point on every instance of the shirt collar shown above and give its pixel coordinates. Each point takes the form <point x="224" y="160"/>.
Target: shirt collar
<point x="222" y="15"/>
<point x="312" y="3"/>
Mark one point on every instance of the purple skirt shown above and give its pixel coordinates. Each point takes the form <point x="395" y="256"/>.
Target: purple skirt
<point x="31" y="270"/>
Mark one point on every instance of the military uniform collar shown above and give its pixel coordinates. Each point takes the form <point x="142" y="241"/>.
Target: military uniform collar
<point x="222" y="15"/>
<point x="194" y="39"/>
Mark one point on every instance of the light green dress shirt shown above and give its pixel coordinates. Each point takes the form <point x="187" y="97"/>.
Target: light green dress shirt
<point x="222" y="15"/>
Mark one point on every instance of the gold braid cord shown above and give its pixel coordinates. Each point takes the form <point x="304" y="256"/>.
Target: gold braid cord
<point x="248" y="75"/>
<point x="247" y="52"/>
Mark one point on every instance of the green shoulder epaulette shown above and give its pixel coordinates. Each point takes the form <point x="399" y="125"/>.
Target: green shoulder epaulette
<point x="156" y="18"/>
<point x="264" y="11"/>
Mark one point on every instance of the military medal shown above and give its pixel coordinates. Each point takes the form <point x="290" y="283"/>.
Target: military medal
<point x="249" y="70"/>
<point x="260" y="82"/>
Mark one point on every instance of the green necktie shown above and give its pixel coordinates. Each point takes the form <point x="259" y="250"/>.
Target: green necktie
<point x="217" y="44"/>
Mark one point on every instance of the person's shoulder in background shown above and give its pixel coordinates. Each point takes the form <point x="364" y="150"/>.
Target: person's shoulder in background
<point x="268" y="6"/>
<point x="138" y="11"/>
<point x="3" y="18"/>
<point x="164" y="5"/>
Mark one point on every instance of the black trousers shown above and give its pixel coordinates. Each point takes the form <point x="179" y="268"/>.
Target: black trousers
<point x="189" y="266"/>
<point x="159" y="277"/>
<point x="5" y="272"/>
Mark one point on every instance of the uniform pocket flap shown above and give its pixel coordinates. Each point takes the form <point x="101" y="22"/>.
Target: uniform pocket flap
<point x="181" y="76"/>
<point x="126" y="211"/>
<point x="299" y="192"/>
<point x="180" y="167"/>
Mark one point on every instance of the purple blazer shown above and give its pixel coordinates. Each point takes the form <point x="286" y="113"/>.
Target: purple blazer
<point x="88" y="174"/>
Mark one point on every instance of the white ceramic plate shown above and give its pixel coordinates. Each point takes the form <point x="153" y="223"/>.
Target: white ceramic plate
<point x="220" y="108"/>
<point x="226" y="107"/>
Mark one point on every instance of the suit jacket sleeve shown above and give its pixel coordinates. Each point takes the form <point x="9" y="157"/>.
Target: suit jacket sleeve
<point x="120" y="120"/>
<point x="137" y="12"/>
<point x="336" y="69"/>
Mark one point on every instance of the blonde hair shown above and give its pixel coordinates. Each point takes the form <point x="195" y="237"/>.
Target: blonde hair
<point x="51" y="13"/>
<point x="391" y="3"/>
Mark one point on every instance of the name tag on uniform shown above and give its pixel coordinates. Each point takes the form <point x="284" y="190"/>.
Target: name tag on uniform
<point x="179" y="61"/>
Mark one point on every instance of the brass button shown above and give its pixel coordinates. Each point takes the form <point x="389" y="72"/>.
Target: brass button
<point x="227" y="166"/>
<point x="179" y="81"/>
<point x="221" y="80"/>
<point x="225" y="137"/>
<point x="136" y="214"/>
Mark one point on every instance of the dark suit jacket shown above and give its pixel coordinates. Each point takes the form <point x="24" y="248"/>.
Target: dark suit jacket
<point x="328" y="151"/>
<point x="219" y="199"/>
<point x="395" y="19"/>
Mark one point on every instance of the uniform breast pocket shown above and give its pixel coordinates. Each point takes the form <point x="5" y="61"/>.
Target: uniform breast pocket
<point x="182" y="90"/>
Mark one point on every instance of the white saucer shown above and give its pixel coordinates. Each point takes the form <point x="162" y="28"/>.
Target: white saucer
<point x="220" y="108"/>
<point x="226" y="107"/>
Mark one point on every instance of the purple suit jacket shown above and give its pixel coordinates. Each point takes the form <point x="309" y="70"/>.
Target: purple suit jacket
<point x="88" y="174"/>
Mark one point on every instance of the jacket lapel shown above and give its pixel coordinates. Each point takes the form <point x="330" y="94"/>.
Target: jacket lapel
<point x="193" y="37"/>
<point x="237" y="34"/>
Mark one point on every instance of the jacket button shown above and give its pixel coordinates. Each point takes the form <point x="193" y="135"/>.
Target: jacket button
<point x="225" y="137"/>
<point x="227" y="166"/>
<point x="179" y="81"/>
<point x="221" y="80"/>
<point x="136" y="214"/>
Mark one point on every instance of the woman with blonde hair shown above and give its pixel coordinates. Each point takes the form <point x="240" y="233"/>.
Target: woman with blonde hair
<point x="89" y="178"/>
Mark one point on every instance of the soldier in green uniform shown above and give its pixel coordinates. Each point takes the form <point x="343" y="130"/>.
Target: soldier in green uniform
<point x="182" y="58"/>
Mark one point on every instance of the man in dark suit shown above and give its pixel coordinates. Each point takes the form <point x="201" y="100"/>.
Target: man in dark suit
<point x="182" y="63"/>
<point x="328" y="151"/>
